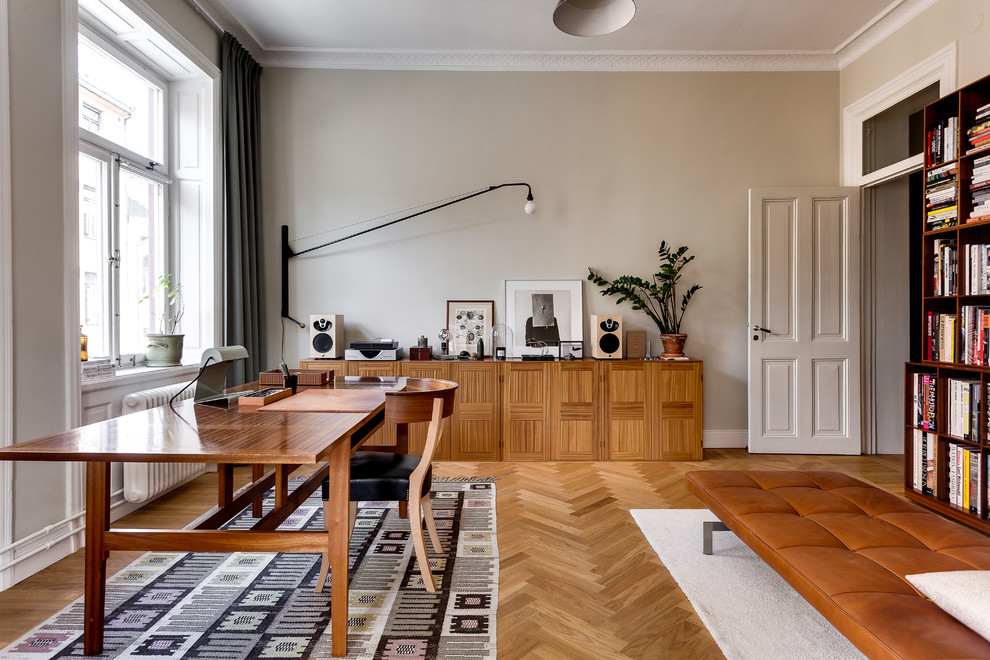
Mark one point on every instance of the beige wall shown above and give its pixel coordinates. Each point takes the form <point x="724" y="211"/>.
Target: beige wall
<point x="965" y="21"/>
<point x="187" y="22"/>
<point x="618" y="162"/>
<point x="37" y="232"/>
<point x="40" y="364"/>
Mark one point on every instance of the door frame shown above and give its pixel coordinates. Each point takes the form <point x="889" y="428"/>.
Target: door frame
<point x="939" y="67"/>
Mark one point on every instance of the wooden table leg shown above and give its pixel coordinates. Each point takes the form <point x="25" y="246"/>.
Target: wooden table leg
<point x="97" y="522"/>
<point x="339" y="462"/>
<point x="257" y="472"/>
<point x="225" y="484"/>
<point x="402" y="447"/>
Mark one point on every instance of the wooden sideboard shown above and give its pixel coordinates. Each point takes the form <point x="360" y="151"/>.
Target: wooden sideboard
<point x="581" y="410"/>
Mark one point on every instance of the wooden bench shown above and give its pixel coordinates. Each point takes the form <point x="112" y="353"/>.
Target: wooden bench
<point x="846" y="546"/>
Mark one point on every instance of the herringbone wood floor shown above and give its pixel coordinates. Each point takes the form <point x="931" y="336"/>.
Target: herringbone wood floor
<point x="578" y="580"/>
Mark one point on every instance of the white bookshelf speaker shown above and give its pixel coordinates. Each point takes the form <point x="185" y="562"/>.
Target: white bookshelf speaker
<point x="608" y="336"/>
<point x="326" y="335"/>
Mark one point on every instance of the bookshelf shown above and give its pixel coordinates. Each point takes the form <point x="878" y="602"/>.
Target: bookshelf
<point x="947" y="390"/>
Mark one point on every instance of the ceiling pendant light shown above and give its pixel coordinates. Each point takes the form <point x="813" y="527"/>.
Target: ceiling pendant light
<point x="592" y="18"/>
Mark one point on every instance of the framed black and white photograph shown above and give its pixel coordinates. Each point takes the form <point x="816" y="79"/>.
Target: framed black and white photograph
<point x="543" y="312"/>
<point x="571" y="350"/>
<point x="468" y="321"/>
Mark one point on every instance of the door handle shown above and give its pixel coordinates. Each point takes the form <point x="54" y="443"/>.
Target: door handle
<point x="765" y="332"/>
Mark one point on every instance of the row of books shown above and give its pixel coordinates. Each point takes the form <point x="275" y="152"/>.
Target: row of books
<point x="964" y="473"/>
<point x="976" y="269"/>
<point x="925" y="449"/>
<point x="963" y="408"/>
<point x="941" y="209"/>
<point x="978" y="135"/>
<point x="925" y="389"/>
<point x="942" y="141"/>
<point x="98" y="368"/>
<point x="945" y="257"/>
<point x="979" y="188"/>
<point x="965" y="477"/>
<point x="940" y="341"/>
<point x="976" y="335"/>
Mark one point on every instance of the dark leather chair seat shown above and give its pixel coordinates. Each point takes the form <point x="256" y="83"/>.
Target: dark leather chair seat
<point x="382" y="476"/>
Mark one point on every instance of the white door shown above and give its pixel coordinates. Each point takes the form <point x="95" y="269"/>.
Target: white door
<point x="804" y="325"/>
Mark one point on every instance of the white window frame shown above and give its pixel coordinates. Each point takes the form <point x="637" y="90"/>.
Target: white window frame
<point x="133" y="32"/>
<point x="110" y="154"/>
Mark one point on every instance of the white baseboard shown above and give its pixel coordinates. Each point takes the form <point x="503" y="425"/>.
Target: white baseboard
<point x="725" y="439"/>
<point x="47" y="551"/>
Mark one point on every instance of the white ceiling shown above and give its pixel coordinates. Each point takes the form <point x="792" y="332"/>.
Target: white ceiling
<point x="520" y="35"/>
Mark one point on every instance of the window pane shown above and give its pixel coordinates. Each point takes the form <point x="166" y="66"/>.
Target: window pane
<point x="142" y="259"/>
<point x="93" y="254"/>
<point x="118" y="104"/>
<point x="896" y="133"/>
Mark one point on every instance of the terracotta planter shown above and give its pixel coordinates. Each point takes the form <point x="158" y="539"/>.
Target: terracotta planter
<point x="673" y="345"/>
<point x="164" y="350"/>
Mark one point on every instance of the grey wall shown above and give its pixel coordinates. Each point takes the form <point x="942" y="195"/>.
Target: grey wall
<point x="965" y="21"/>
<point x="41" y="365"/>
<point x="618" y="162"/>
<point x="38" y="222"/>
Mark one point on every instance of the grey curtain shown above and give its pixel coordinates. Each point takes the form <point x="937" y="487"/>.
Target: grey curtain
<point x="244" y="291"/>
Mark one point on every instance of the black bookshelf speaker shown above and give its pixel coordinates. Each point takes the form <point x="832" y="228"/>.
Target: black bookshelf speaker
<point x="326" y="335"/>
<point x="608" y="336"/>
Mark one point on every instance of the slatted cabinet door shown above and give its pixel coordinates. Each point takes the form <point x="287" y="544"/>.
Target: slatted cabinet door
<point x="385" y="437"/>
<point x="417" y="432"/>
<point x="627" y="426"/>
<point x="677" y="421"/>
<point x="526" y="411"/>
<point x="475" y="426"/>
<point x="339" y="367"/>
<point x="574" y="413"/>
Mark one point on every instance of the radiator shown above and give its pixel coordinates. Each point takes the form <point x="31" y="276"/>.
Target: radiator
<point x="145" y="481"/>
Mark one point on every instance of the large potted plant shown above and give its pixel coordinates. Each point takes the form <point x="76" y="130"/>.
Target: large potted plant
<point x="165" y="347"/>
<point x="657" y="297"/>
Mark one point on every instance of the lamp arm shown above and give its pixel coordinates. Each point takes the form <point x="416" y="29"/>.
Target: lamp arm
<point x="287" y="252"/>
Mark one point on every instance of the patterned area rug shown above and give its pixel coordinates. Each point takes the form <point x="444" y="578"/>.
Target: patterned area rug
<point x="229" y="606"/>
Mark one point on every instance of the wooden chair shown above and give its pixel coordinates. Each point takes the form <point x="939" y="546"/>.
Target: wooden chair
<point x="403" y="477"/>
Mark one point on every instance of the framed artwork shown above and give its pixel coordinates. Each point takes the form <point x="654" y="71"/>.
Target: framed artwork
<point x="543" y="312"/>
<point x="571" y="350"/>
<point x="468" y="321"/>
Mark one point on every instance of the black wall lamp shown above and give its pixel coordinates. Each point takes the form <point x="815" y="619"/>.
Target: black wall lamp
<point x="287" y="252"/>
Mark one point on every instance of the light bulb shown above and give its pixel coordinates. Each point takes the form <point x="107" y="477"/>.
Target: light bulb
<point x="530" y="207"/>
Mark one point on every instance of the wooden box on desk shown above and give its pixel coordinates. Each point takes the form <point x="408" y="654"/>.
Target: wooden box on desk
<point x="420" y="353"/>
<point x="304" y="376"/>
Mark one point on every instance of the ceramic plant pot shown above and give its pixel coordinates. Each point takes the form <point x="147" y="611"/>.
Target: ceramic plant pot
<point x="673" y="345"/>
<point x="164" y="350"/>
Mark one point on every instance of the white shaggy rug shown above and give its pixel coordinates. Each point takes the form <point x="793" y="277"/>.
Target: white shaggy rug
<point x="750" y="611"/>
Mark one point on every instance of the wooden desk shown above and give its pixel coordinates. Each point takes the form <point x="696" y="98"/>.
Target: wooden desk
<point x="226" y="436"/>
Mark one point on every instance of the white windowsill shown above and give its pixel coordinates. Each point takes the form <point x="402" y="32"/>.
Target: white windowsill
<point x="135" y="375"/>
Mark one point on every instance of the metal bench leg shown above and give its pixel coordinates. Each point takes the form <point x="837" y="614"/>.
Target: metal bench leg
<point x="709" y="527"/>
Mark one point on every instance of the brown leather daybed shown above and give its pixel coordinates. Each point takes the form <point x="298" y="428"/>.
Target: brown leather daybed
<point x="846" y="546"/>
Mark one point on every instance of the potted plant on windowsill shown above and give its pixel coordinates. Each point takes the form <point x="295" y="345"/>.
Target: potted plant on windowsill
<point x="657" y="297"/>
<point x="165" y="348"/>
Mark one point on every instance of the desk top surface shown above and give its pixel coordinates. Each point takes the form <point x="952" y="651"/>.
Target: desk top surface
<point x="196" y="433"/>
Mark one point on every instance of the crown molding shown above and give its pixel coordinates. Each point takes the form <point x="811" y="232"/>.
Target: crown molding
<point x="895" y="16"/>
<point x="548" y="61"/>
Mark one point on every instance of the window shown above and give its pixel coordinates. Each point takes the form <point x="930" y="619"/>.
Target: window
<point x="149" y="175"/>
<point x="123" y="248"/>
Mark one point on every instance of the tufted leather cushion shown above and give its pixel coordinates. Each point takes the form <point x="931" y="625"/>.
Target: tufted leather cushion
<point x="846" y="546"/>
